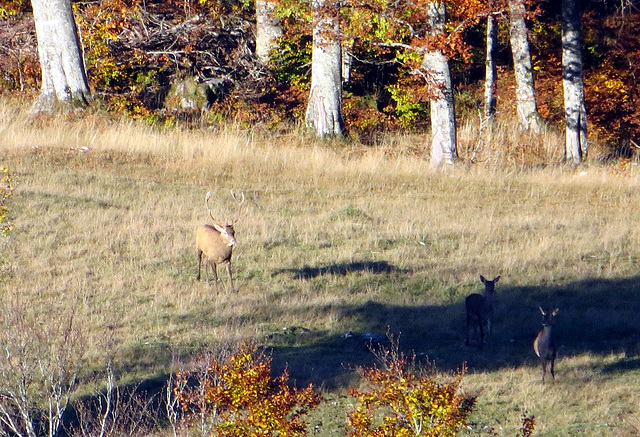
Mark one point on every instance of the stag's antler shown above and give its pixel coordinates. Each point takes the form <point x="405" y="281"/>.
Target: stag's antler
<point x="239" y="202"/>
<point x="207" y="204"/>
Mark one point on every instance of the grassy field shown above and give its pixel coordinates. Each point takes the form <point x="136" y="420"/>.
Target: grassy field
<point x="334" y="238"/>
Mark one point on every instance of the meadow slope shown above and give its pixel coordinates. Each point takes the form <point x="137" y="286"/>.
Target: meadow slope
<point x="334" y="238"/>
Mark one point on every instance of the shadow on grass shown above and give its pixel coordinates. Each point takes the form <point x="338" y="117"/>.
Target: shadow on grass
<point x="597" y="316"/>
<point x="341" y="269"/>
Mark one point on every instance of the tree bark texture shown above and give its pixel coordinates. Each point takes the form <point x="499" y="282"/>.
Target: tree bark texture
<point x="490" y="69"/>
<point x="576" y="146"/>
<point x="63" y="75"/>
<point x="324" y="109"/>
<point x="268" y="29"/>
<point x="525" y="92"/>
<point x="443" y="120"/>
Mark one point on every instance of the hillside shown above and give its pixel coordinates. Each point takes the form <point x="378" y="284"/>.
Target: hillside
<point x="334" y="238"/>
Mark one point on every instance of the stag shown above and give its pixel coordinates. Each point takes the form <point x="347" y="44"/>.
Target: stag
<point x="215" y="242"/>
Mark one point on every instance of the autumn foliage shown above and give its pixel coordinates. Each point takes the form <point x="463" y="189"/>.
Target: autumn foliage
<point x="236" y="396"/>
<point x="6" y="190"/>
<point x="402" y="399"/>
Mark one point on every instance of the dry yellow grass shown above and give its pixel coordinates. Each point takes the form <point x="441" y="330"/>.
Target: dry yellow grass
<point x="336" y="237"/>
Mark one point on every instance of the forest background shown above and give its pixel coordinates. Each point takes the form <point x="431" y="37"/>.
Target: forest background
<point x="136" y="51"/>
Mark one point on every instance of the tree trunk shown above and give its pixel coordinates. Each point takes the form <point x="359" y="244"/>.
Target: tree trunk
<point x="268" y="29"/>
<point x="576" y="146"/>
<point x="324" y="110"/>
<point x="443" y="120"/>
<point x="63" y="75"/>
<point x="525" y="92"/>
<point x="490" y="70"/>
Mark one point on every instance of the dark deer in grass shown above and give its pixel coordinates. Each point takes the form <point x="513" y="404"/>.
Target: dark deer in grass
<point x="544" y="344"/>
<point x="480" y="308"/>
<point x="216" y="242"/>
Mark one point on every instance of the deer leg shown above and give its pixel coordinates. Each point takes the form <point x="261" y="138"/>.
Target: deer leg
<point x="553" y="373"/>
<point x="468" y="329"/>
<point x="544" y="369"/>
<point x="480" y="322"/>
<point x="214" y="268"/>
<point x="199" y="264"/>
<point x="230" y="277"/>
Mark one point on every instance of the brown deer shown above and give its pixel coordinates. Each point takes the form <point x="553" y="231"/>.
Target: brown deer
<point x="544" y="345"/>
<point x="480" y="307"/>
<point x="216" y="242"/>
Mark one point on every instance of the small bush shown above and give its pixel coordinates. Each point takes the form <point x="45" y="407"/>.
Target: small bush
<point x="6" y="190"/>
<point x="402" y="398"/>
<point x="235" y="395"/>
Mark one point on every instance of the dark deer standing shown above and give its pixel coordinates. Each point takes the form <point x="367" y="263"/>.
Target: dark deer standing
<point x="480" y="307"/>
<point x="216" y="243"/>
<point x="544" y="344"/>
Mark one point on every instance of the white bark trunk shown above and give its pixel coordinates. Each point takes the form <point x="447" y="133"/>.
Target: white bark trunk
<point x="525" y="92"/>
<point x="443" y="120"/>
<point x="63" y="75"/>
<point x="268" y="29"/>
<point x="324" y="110"/>
<point x="490" y="70"/>
<point x="576" y="146"/>
<point x="347" y="60"/>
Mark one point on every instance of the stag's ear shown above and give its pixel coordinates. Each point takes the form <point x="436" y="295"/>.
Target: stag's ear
<point x="219" y="228"/>
<point x="542" y="311"/>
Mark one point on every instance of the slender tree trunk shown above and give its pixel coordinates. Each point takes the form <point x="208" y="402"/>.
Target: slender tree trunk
<point x="443" y="120"/>
<point x="63" y="74"/>
<point x="268" y="29"/>
<point x="324" y="110"/>
<point x="490" y="70"/>
<point x="525" y="92"/>
<point x="576" y="146"/>
<point x="347" y="59"/>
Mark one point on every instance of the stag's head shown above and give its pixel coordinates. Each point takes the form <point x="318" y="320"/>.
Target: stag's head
<point x="226" y="231"/>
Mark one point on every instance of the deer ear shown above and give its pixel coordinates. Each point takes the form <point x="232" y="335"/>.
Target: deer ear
<point x="219" y="228"/>
<point x="496" y="279"/>
<point x="541" y="311"/>
<point x="556" y="311"/>
<point x="483" y="279"/>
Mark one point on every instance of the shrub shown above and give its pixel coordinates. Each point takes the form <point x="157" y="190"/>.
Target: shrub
<point x="402" y="398"/>
<point x="6" y="190"/>
<point x="235" y="395"/>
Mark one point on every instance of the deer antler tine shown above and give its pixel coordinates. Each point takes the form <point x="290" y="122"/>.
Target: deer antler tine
<point x="240" y="202"/>
<point x="207" y="204"/>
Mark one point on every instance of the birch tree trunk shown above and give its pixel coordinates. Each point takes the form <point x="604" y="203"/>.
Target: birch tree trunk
<point x="268" y="29"/>
<point x="490" y="70"/>
<point x="324" y="109"/>
<point x="63" y="75"/>
<point x="576" y="146"/>
<point x="525" y="92"/>
<point x="443" y="120"/>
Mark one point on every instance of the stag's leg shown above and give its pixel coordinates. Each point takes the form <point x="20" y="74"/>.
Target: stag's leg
<point x="214" y="268"/>
<point x="230" y="277"/>
<point x="468" y="329"/>
<point x="544" y="369"/>
<point x="553" y="373"/>
<point x="199" y="264"/>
